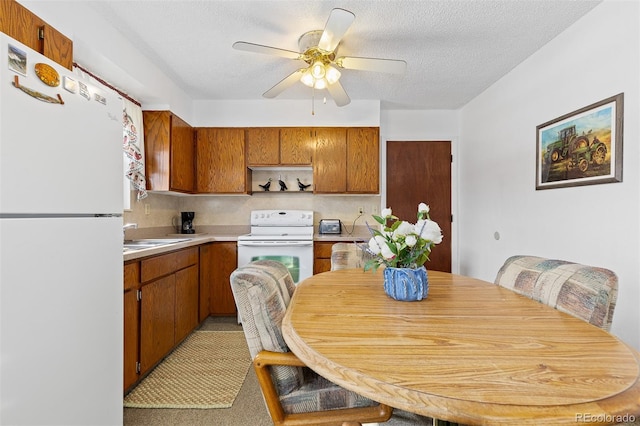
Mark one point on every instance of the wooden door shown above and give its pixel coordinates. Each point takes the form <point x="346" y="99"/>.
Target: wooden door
<point x="21" y="24"/>
<point x="131" y="336"/>
<point x="186" y="302"/>
<point x="157" y="146"/>
<point x="363" y="158"/>
<point x="56" y="46"/>
<point x="420" y="171"/>
<point x="206" y="275"/>
<point x="296" y="146"/>
<point x="330" y="160"/>
<point x="263" y="146"/>
<point x="221" y="165"/>
<point x="131" y="323"/>
<point x="224" y="262"/>
<point x="183" y="156"/>
<point x="157" y="321"/>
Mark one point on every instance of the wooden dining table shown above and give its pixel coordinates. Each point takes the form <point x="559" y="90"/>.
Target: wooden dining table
<point x="472" y="352"/>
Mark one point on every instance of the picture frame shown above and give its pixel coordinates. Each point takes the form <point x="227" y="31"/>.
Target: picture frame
<point x="583" y="147"/>
<point x="17" y="60"/>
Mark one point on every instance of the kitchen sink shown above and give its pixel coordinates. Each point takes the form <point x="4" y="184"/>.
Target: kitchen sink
<point x="130" y="245"/>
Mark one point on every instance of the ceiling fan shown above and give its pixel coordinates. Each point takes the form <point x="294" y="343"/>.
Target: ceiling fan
<point x="318" y="50"/>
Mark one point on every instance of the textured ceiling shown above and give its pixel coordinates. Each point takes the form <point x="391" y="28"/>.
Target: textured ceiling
<point x="454" y="49"/>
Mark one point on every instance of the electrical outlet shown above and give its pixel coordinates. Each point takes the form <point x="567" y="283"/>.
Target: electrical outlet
<point x="147" y="208"/>
<point x="360" y="210"/>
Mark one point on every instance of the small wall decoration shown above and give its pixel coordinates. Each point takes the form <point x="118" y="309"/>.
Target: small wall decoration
<point x="47" y="74"/>
<point x="40" y="96"/>
<point x="84" y="90"/>
<point x="266" y="186"/>
<point x="17" y="60"/>
<point x="100" y="98"/>
<point x="583" y="147"/>
<point x="70" y="84"/>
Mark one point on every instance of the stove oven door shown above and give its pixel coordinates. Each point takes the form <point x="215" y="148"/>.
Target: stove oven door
<point x="297" y="256"/>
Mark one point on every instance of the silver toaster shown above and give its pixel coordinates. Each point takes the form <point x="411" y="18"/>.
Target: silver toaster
<point x="330" y="226"/>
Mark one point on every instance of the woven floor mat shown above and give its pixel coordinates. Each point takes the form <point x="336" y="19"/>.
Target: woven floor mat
<point x="206" y="371"/>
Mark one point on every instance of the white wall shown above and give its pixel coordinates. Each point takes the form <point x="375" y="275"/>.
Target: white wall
<point x="282" y="113"/>
<point x="594" y="59"/>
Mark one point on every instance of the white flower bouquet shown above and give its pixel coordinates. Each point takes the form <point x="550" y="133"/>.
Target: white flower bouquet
<point x="402" y="244"/>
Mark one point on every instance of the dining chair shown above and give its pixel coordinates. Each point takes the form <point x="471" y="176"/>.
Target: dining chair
<point x="292" y="392"/>
<point x="586" y="292"/>
<point x="348" y="256"/>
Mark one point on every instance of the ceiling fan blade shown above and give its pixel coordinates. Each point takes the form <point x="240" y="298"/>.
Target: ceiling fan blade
<point x="338" y="94"/>
<point x="337" y="25"/>
<point x="267" y="50"/>
<point x="391" y="66"/>
<point x="284" y="84"/>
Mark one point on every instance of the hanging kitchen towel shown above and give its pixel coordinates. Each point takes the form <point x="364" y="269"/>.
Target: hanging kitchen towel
<point x="133" y="145"/>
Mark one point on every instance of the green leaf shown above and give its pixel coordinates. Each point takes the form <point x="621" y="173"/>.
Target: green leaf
<point x="379" y="219"/>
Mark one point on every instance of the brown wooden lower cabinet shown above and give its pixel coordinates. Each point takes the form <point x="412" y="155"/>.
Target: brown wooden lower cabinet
<point x="217" y="261"/>
<point x="131" y="324"/>
<point x="160" y="308"/>
<point x="322" y="256"/>
<point x="186" y="308"/>
<point x="157" y="321"/>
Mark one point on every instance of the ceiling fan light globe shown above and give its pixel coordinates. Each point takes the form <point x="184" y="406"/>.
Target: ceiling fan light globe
<point x="333" y="75"/>
<point x="307" y="79"/>
<point x="320" y="84"/>
<point x="318" y="70"/>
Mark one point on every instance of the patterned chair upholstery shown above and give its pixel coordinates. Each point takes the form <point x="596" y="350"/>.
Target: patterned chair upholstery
<point x="348" y="256"/>
<point x="262" y="290"/>
<point x="586" y="292"/>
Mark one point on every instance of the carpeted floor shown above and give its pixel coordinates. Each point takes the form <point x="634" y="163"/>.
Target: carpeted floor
<point x="248" y="408"/>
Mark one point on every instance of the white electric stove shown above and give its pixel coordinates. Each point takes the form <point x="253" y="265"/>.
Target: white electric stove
<point x="282" y="235"/>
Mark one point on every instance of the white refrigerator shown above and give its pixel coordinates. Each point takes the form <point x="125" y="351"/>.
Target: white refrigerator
<point x="61" y="310"/>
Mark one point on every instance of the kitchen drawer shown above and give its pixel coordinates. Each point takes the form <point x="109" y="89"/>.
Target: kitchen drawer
<point x="158" y="266"/>
<point x="131" y="275"/>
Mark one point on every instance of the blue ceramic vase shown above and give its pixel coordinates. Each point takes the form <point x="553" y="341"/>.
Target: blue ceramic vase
<point x="406" y="284"/>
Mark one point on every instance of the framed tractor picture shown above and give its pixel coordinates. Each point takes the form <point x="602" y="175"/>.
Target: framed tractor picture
<point x="583" y="147"/>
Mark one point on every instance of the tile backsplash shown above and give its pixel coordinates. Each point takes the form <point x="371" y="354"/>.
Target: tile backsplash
<point x="164" y="209"/>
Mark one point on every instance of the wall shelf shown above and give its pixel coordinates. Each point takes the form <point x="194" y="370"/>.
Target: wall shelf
<point x="289" y="176"/>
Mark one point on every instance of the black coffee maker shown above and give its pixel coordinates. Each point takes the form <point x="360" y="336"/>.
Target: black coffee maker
<point x="187" y="223"/>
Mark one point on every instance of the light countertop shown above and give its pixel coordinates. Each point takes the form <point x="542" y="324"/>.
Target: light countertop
<point x="219" y="233"/>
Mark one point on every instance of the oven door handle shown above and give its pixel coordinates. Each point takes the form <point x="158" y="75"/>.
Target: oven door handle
<point x="275" y="243"/>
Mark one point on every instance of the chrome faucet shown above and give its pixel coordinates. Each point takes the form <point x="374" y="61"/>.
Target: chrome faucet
<point x="128" y="226"/>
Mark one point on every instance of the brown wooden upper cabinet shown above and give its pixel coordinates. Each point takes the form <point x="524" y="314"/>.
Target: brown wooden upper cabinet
<point x="263" y="146"/>
<point x="346" y="160"/>
<point x="330" y="160"/>
<point x="363" y="160"/>
<point x="273" y="146"/>
<point x="220" y="161"/>
<point x="215" y="160"/>
<point x="296" y="146"/>
<point x="21" y="24"/>
<point x="170" y="152"/>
